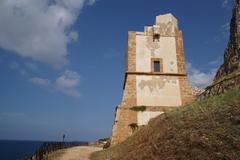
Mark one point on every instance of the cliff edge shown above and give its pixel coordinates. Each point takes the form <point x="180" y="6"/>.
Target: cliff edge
<point x="231" y="63"/>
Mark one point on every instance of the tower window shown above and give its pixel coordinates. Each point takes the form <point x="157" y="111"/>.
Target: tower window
<point x="156" y="66"/>
<point x="156" y="37"/>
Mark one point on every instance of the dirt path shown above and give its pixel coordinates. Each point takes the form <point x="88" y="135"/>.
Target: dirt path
<point x="79" y="153"/>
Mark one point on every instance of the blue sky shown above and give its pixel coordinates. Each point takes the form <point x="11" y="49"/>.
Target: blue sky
<point x="62" y="62"/>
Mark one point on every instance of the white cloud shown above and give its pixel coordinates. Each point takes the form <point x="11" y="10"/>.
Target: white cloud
<point x="225" y="29"/>
<point x="227" y="4"/>
<point x="23" y="72"/>
<point x="39" y="29"/>
<point x="40" y="81"/>
<point x="68" y="82"/>
<point x="224" y="32"/>
<point x="216" y="62"/>
<point x="31" y="66"/>
<point x="198" y="78"/>
<point x="73" y="35"/>
<point x="14" y="65"/>
<point x="91" y="2"/>
<point x="226" y="26"/>
<point x="17" y="67"/>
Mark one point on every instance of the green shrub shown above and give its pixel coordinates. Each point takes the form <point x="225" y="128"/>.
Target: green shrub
<point x="138" y="108"/>
<point x="133" y="126"/>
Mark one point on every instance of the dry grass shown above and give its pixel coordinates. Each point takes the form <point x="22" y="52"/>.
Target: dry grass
<point x="206" y="130"/>
<point x="56" y="155"/>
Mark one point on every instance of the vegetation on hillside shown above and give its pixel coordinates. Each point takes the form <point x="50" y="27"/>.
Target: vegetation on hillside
<point x="56" y="155"/>
<point x="138" y="108"/>
<point x="203" y="130"/>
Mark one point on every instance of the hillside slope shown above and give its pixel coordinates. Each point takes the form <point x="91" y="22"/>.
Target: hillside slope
<point x="204" y="130"/>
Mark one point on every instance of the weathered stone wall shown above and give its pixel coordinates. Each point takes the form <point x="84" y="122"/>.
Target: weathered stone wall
<point x="123" y="115"/>
<point x="129" y="93"/>
<point x="164" y="49"/>
<point x="155" y="90"/>
<point x="144" y="117"/>
<point x="126" y="116"/>
<point x="131" y="52"/>
<point x="180" y="52"/>
<point x="186" y="90"/>
<point x="121" y="129"/>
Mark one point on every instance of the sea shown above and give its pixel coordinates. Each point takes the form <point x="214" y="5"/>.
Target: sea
<point x="17" y="150"/>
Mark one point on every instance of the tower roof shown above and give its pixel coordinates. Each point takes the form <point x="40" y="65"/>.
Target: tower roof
<point x="165" y="19"/>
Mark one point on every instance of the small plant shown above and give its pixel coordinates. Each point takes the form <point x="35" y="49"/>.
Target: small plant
<point x="133" y="126"/>
<point x="138" y="108"/>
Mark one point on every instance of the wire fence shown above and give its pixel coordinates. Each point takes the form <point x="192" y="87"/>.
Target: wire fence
<point x="47" y="148"/>
<point x="221" y="87"/>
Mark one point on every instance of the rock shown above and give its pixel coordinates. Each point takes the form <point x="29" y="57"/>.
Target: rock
<point x="232" y="52"/>
<point x="235" y="120"/>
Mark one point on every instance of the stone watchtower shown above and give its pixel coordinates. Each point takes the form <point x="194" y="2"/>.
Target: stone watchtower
<point x="155" y="77"/>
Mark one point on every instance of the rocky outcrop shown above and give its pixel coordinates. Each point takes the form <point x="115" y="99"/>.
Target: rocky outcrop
<point x="232" y="52"/>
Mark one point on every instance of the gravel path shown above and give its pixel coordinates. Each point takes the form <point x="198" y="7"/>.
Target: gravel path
<point x="79" y="153"/>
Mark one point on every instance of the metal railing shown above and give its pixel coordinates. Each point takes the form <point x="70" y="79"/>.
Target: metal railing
<point x="47" y="148"/>
<point x="221" y="87"/>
